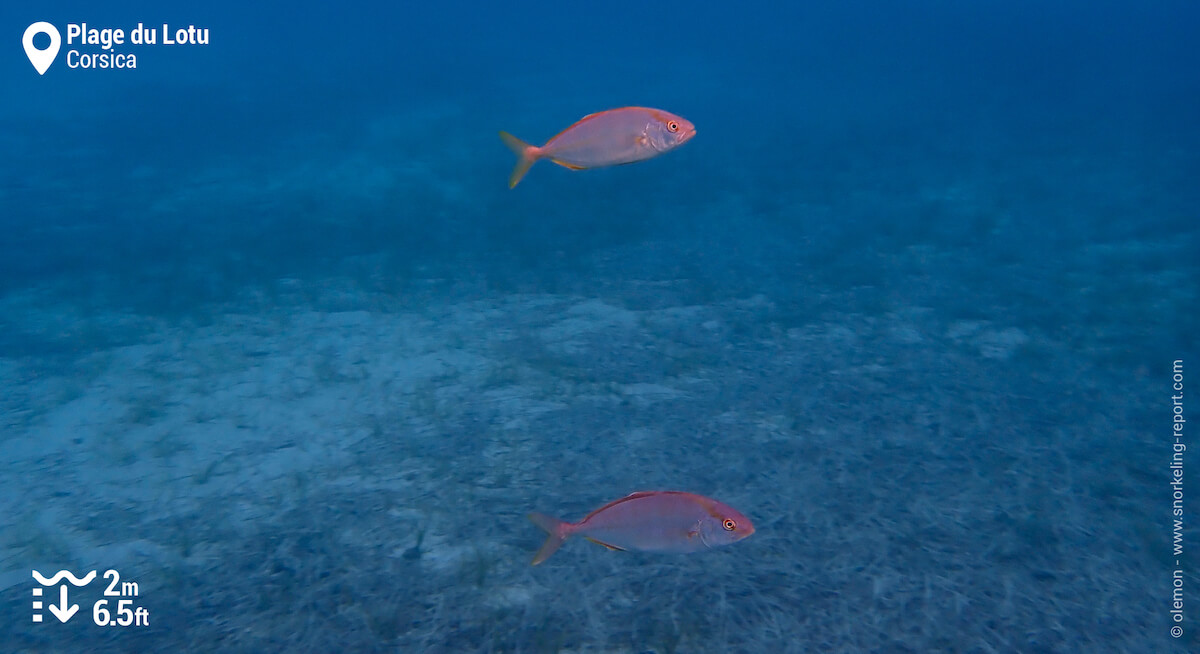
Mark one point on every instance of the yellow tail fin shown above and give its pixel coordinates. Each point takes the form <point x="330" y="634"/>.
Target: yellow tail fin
<point x="526" y="155"/>
<point x="557" y="531"/>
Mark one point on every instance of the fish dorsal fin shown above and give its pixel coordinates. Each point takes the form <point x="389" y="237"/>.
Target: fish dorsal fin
<point x="631" y="496"/>
<point x="597" y="113"/>
<point x="660" y="115"/>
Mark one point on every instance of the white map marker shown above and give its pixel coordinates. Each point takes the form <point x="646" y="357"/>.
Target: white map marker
<point x="41" y="59"/>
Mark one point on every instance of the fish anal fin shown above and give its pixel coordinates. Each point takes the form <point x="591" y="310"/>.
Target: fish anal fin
<point x="611" y="547"/>
<point x="565" y="164"/>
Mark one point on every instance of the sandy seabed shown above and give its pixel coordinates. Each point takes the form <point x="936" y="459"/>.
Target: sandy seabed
<point x="352" y="472"/>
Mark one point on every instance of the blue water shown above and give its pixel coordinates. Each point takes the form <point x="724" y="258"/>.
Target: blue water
<point x="278" y="344"/>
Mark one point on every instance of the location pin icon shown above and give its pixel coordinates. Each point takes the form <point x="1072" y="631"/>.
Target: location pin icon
<point x="41" y="59"/>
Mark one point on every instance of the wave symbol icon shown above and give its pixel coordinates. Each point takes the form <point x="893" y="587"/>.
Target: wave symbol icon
<point x="87" y="579"/>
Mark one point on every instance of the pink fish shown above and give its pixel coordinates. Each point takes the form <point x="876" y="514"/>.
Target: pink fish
<point x="650" y="521"/>
<point x="608" y="138"/>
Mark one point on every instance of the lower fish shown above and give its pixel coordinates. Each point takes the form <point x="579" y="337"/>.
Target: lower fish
<point x="650" y="521"/>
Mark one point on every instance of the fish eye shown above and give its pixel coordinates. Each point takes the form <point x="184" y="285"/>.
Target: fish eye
<point x="729" y="524"/>
<point x="674" y="127"/>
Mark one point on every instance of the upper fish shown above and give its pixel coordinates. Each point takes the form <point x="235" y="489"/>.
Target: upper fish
<point x="651" y="521"/>
<point x="607" y="138"/>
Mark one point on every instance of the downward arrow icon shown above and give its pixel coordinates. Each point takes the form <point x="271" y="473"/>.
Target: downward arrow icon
<point x="62" y="612"/>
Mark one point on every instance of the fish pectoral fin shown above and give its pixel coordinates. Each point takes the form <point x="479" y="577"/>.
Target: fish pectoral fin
<point x="564" y="164"/>
<point x="611" y="547"/>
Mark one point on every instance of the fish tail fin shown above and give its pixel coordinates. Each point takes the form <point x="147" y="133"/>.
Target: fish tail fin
<point x="526" y="155"/>
<point x="557" y="530"/>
